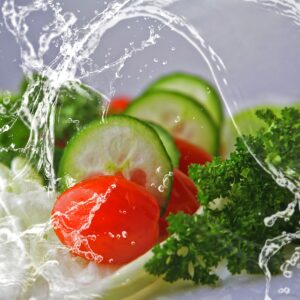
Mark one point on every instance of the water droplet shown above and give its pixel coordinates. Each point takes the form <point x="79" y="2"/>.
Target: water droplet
<point x="2" y="109"/>
<point x="132" y="243"/>
<point x="155" y="60"/>
<point x="285" y="290"/>
<point x="88" y="255"/>
<point x="124" y="234"/>
<point x="161" y="188"/>
<point x="287" y="274"/>
<point x="158" y="170"/>
<point x="177" y="119"/>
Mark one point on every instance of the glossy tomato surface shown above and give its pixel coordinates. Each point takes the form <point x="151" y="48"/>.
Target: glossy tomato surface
<point x="183" y="198"/>
<point x="190" y="154"/>
<point x="107" y="219"/>
<point x="118" y="105"/>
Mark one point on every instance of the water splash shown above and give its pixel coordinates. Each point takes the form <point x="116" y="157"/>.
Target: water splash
<point x="56" y="269"/>
<point x="49" y="269"/>
<point x="291" y="10"/>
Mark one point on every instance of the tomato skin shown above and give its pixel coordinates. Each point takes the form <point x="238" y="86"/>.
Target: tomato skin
<point x="190" y="154"/>
<point x="107" y="219"/>
<point x="183" y="198"/>
<point x="118" y="105"/>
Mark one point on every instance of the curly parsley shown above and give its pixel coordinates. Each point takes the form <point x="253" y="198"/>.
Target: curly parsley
<point x="236" y="196"/>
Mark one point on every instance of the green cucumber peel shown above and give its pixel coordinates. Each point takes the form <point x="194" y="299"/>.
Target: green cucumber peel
<point x="196" y="87"/>
<point x="118" y="144"/>
<point x="181" y="115"/>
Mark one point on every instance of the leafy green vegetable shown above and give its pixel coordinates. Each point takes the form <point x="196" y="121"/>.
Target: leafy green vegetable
<point x="14" y="133"/>
<point x="236" y="195"/>
<point x="281" y="143"/>
<point x="77" y="105"/>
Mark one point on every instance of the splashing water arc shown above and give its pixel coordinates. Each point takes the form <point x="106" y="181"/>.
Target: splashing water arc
<point x="56" y="269"/>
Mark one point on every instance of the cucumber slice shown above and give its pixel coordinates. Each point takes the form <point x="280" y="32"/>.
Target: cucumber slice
<point x="247" y="123"/>
<point x="181" y="115"/>
<point x="168" y="142"/>
<point x="195" y="87"/>
<point x="21" y="168"/>
<point x="5" y="178"/>
<point x="119" y="144"/>
<point x="297" y="105"/>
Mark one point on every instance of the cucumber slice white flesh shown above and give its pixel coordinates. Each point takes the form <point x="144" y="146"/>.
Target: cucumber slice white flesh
<point x="247" y="123"/>
<point x="119" y="144"/>
<point x="21" y="168"/>
<point x="25" y="177"/>
<point x="168" y="142"/>
<point x="195" y="87"/>
<point x="181" y="115"/>
<point x="5" y="178"/>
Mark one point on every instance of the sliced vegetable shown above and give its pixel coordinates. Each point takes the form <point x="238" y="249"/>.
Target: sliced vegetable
<point x="247" y="123"/>
<point x="5" y="178"/>
<point x="168" y="142"/>
<point x="107" y="219"/>
<point x="195" y="87"/>
<point x="119" y="144"/>
<point x="190" y="154"/>
<point x="128" y="280"/>
<point x="183" y="198"/>
<point x="21" y="177"/>
<point x="181" y="115"/>
<point x="297" y="105"/>
<point x="20" y="167"/>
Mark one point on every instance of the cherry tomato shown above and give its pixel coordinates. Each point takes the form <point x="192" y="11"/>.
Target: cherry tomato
<point x="183" y="198"/>
<point x="118" y="105"/>
<point x="190" y="154"/>
<point x="107" y="219"/>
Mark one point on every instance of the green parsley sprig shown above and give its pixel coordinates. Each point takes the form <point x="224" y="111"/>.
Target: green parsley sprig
<point x="236" y="195"/>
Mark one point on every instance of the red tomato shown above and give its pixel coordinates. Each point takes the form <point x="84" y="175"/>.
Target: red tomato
<point x="118" y="105"/>
<point x="183" y="198"/>
<point x="107" y="219"/>
<point x="190" y="154"/>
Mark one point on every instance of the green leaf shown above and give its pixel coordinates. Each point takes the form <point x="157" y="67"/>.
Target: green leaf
<point x="236" y="233"/>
